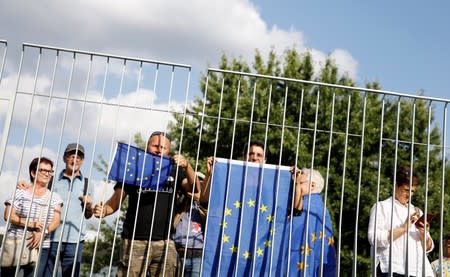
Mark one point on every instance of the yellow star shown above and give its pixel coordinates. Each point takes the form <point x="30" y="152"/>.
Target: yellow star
<point x="272" y="231"/>
<point x="157" y="162"/>
<point x="300" y="266"/>
<point x="313" y="237"/>
<point x="224" y="224"/>
<point x="331" y="241"/>
<point x="233" y="249"/>
<point x="305" y="250"/>
<point x="226" y="238"/>
<point x="133" y="158"/>
<point x="260" y="252"/>
<point x="139" y="153"/>
<point x="269" y="218"/>
<point x="128" y="169"/>
<point x="131" y="175"/>
<point x="137" y="179"/>
<point x="129" y="163"/>
<point x="321" y="236"/>
<point x="247" y="255"/>
<point x="237" y="204"/>
<point x="267" y="243"/>
<point x="251" y="203"/>
<point x="263" y="208"/>
<point x="227" y="211"/>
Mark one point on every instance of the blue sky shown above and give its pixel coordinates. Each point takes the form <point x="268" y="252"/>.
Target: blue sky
<point x="405" y="45"/>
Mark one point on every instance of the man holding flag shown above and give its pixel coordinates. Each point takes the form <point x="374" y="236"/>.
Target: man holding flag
<point x="151" y="210"/>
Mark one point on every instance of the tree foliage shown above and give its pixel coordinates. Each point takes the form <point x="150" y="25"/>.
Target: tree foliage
<point x="315" y="125"/>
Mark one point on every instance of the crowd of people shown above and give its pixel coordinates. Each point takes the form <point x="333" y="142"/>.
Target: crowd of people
<point x="163" y="230"/>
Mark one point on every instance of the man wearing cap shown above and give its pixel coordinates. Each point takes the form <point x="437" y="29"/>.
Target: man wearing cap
<point x="151" y="210"/>
<point x="72" y="187"/>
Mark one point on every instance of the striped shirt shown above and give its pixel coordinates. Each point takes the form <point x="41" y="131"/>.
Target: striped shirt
<point x="39" y="211"/>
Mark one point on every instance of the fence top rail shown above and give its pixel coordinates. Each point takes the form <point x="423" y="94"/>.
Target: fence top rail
<point x="3" y="41"/>
<point x="75" y="51"/>
<point x="385" y="92"/>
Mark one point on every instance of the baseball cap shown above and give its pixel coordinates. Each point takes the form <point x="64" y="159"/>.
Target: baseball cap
<point x="74" y="146"/>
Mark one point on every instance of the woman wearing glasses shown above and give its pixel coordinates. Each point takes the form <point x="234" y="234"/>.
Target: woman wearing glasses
<point x="29" y="215"/>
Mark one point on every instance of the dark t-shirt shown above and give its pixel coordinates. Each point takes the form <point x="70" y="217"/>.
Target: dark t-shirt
<point x="150" y="198"/>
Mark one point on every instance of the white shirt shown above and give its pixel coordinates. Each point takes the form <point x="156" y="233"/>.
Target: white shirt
<point x="399" y="247"/>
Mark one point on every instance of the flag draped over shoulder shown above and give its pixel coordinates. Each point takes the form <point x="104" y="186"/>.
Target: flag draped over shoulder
<point x="134" y="166"/>
<point x="306" y="247"/>
<point x="247" y="217"/>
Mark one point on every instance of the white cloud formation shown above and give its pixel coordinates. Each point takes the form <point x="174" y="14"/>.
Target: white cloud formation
<point x="192" y="32"/>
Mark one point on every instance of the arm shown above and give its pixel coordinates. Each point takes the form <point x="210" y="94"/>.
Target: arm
<point x="298" y="195"/>
<point x="190" y="180"/>
<point x="20" y="221"/>
<point x="428" y="244"/>
<point x="56" y="219"/>
<point x="112" y="205"/>
<point x="204" y="193"/>
<point x="87" y="201"/>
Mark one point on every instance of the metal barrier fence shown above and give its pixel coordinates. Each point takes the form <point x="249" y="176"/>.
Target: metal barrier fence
<point x="357" y="139"/>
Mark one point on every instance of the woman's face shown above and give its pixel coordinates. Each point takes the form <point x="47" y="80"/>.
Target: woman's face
<point x="44" y="173"/>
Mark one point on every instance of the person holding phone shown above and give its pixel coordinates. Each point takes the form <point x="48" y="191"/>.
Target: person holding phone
<point x="393" y="224"/>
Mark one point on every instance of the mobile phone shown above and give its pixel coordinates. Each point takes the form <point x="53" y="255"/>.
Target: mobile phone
<point x="422" y="219"/>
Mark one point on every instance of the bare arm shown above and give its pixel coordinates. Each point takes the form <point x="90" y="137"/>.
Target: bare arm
<point x="111" y="206"/>
<point x="87" y="201"/>
<point x="204" y="193"/>
<point x="56" y="219"/>
<point x="20" y="221"/>
<point x="191" y="179"/>
<point x="298" y="197"/>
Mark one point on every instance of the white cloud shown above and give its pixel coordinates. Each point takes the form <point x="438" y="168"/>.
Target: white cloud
<point x="192" y="32"/>
<point x="345" y="62"/>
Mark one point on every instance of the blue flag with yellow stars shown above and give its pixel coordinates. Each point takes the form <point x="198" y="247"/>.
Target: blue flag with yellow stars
<point x="133" y="166"/>
<point x="247" y="217"/>
<point x="306" y="247"/>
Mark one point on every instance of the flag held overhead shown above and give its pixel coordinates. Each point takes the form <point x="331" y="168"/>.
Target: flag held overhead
<point x="134" y="166"/>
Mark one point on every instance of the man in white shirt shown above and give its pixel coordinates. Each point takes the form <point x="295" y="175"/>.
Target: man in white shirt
<point x="392" y="228"/>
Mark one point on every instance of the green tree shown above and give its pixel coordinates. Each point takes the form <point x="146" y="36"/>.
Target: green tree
<point x="294" y="117"/>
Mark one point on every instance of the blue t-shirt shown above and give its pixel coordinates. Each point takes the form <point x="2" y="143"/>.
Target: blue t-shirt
<point x="70" y="223"/>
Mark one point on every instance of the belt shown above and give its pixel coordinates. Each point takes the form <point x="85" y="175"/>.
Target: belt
<point x="190" y="252"/>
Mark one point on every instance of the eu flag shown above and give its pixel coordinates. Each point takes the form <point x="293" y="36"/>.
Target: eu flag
<point x="133" y="166"/>
<point x="307" y="246"/>
<point x="247" y="217"/>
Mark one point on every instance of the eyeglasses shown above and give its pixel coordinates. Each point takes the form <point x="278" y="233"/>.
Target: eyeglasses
<point x="48" y="171"/>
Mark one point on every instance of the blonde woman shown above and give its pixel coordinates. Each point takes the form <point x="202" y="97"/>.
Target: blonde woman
<point x="36" y="207"/>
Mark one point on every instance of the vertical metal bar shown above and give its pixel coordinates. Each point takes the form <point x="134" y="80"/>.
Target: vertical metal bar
<point x="94" y="254"/>
<point x="205" y="98"/>
<point x="5" y="138"/>
<point x="11" y="102"/>
<point x="305" y="257"/>
<point x="338" y="264"/>
<point x="229" y="168"/>
<point x="278" y="178"/>
<point x="373" y="248"/>
<point x="294" y="183"/>
<point x="40" y="154"/>
<point x="391" y="236"/>
<point x="196" y="165"/>
<point x="441" y="213"/>
<point x="330" y="140"/>
<point x="78" y="140"/>
<point x="424" y="257"/>
<point x="116" y="228"/>
<point x="410" y="183"/>
<point x="261" y="181"/>
<point x="361" y="157"/>
<point x="67" y="202"/>
<point x="138" y="87"/>
<point x="246" y="170"/>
